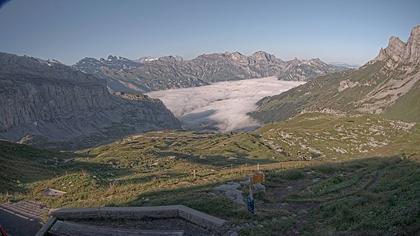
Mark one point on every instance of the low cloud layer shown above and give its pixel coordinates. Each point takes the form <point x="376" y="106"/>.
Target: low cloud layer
<point x="221" y="106"/>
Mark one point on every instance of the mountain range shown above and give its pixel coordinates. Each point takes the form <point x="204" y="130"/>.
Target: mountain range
<point x="339" y="155"/>
<point x="149" y="74"/>
<point x="388" y="85"/>
<point x="46" y="103"/>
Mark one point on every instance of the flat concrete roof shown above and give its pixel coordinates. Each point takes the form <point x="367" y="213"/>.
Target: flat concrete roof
<point x="161" y="220"/>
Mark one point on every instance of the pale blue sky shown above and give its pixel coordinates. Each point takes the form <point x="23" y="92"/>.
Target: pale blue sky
<point x="336" y="31"/>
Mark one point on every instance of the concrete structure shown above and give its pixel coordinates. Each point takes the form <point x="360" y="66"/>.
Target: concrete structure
<point x="28" y="209"/>
<point x="173" y="220"/>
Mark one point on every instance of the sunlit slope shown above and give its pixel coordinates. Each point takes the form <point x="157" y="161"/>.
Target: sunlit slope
<point x="388" y="85"/>
<point x="407" y="107"/>
<point x="325" y="136"/>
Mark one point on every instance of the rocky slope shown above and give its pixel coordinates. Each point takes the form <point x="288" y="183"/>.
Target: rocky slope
<point x="46" y="103"/>
<point x="388" y="85"/>
<point x="148" y="74"/>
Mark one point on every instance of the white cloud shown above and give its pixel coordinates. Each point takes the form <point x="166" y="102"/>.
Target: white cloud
<point x="224" y="105"/>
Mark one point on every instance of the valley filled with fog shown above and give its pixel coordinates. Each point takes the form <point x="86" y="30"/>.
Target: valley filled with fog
<point x="221" y="106"/>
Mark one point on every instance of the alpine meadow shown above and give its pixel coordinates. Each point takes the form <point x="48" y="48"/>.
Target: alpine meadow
<point x="209" y="118"/>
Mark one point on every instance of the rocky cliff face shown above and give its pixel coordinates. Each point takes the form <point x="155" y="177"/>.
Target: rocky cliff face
<point x="398" y="52"/>
<point x="387" y="85"/>
<point x="401" y="65"/>
<point x="149" y="74"/>
<point x="49" y="104"/>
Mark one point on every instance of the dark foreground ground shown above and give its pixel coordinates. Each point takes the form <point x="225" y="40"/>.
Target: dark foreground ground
<point x="18" y="226"/>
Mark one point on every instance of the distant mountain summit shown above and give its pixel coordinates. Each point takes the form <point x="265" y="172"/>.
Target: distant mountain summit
<point x="388" y="85"/>
<point x="148" y="74"/>
<point x="398" y="52"/>
<point x="48" y="104"/>
<point x="91" y="65"/>
<point x="345" y="65"/>
<point x="303" y="70"/>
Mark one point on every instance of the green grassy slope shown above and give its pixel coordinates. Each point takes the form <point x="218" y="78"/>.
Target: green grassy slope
<point x="127" y="167"/>
<point x="318" y="94"/>
<point x="21" y="164"/>
<point x="407" y="107"/>
<point x="357" y="192"/>
<point x="325" y="136"/>
<point x="372" y="196"/>
<point x="323" y="94"/>
<point x="320" y="195"/>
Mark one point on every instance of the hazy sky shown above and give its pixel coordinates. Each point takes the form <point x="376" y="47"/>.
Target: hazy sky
<point x="335" y="31"/>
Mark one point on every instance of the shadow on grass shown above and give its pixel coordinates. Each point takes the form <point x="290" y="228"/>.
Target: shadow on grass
<point x="236" y="159"/>
<point x="199" y="197"/>
<point x="378" y="195"/>
<point x="147" y="178"/>
<point x="21" y="165"/>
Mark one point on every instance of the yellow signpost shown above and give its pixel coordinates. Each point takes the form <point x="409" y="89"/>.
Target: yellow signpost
<point x="256" y="178"/>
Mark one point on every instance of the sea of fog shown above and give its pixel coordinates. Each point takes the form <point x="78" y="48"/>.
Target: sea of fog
<point x="221" y="106"/>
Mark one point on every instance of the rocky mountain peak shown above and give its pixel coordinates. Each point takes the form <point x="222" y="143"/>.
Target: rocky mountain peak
<point x="263" y="56"/>
<point x="151" y="73"/>
<point x="88" y="65"/>
<point x="112" y="58"/>
<point x="26" y="66"/>
<point x="170" y="59"/>
<point x="415" y="32"/>
<point x="146" y="59"/>
<point x="294" y="61"/>
<point x="395" y="49"/>
<point x="236" y="56"/>
<point x="390" y="86"/>
<point x="395" y="41"/>
<point x="317" y="61"/>
<point x="398" y="51"/>
<point x="54" y="104"/>
<point x="413" y="45"/>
